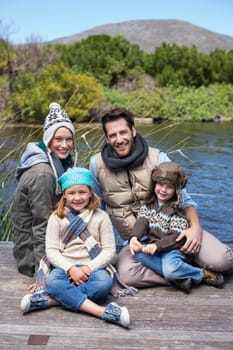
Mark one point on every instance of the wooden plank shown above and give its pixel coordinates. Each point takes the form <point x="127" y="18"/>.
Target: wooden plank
<point x="162" y="318"/>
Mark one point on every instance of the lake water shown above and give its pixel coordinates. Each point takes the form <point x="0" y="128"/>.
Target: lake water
<point x="205" y="150"/>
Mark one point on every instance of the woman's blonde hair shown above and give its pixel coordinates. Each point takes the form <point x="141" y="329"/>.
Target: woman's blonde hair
<point x="93" y="204"/>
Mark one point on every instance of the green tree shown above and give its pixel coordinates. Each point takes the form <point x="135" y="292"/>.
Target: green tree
<point x="79" y="93"/>
<point x="221" y="63"/>
<point x="180" y="66"/>
<point x="105" y="57"/>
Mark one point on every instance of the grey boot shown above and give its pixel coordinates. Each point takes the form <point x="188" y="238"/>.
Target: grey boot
<point x="185" y="284"/>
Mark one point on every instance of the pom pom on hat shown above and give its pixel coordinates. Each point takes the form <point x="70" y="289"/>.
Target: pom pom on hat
<point x="56" y="119"/>
<point x="75" y="176"/>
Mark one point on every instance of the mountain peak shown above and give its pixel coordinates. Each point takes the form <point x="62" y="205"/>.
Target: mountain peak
<point x="151" y="33"/>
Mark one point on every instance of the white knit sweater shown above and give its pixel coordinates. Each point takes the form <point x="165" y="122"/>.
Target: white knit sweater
<point x="75" y="252"/>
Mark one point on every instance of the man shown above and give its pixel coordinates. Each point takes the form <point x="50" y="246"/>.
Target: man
<point x="121" y="174"/>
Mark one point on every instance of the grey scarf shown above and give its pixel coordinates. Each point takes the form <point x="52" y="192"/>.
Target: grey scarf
<point x="133" y="160"/>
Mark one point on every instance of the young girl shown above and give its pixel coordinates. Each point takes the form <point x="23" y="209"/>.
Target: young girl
<point x="80" y="246"/>
<point x="161" y="219"/>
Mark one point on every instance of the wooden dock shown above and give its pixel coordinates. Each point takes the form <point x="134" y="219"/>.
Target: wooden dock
<point x="162" y="318"/>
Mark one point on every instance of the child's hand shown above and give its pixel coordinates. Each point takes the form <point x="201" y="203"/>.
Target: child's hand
<point x="149" y="248"/>
<point x="86" y="269"/>
<point x="80" y="274"/>
<point x="135" y="246"/>
<point x="31" y="288"/>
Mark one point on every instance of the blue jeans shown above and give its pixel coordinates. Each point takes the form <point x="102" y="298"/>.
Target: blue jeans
<point x="72" y="296"/>
<point x="171" y="265"/>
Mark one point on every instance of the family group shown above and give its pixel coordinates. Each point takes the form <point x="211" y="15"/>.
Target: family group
<point x="124" y="223"/>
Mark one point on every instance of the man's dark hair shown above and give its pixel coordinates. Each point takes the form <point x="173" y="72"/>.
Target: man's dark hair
<point x="115" y="114"/>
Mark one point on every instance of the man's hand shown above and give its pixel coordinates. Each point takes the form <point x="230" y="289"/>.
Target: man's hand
<point x="193" y="240"/>
<point x="193" y="234"/>
<point x="135" y="246"/>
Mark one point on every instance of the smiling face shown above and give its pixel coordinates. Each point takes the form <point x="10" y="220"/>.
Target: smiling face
<point x="62" y="143"/>
<point x="164" y="192"/>
<point x="120" y="137"/>
<point x="77" y="197"/>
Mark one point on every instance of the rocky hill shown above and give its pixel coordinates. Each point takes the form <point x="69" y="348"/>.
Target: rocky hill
<point x="149" y="34"/>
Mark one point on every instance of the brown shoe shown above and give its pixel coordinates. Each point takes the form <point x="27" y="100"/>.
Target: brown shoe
<point x="185" y="285"/>
<point x="214" y="279"/>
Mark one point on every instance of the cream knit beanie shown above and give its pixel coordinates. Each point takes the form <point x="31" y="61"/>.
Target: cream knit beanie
<point x="56" y="119"/>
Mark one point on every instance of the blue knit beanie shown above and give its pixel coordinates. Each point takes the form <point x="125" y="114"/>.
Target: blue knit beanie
<point x="75" y="176"/>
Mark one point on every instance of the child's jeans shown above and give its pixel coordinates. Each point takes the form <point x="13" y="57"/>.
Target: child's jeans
<point x="171" y="265"/>
<point x="72" y="296"/>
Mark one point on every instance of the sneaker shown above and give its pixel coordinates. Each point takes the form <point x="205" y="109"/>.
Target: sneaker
<point x="185" y="284"/>
<point x="117" y="314"/>
<point x="214" y="279"/>
<point x="34" y="301"/>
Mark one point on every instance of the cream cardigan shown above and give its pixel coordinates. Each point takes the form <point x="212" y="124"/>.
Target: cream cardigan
<point x="75" y="252"/>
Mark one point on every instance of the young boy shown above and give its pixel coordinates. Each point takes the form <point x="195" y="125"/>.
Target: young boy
<point x="161" y="220"/>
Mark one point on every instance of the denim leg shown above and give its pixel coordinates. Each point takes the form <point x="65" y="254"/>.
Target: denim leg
<point x="175" y="267"/>
<point x="71" y="296"/>
<point x="153" y="262"/>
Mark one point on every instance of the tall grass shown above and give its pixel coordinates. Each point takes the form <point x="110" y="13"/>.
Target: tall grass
<point x="10" y="152"/>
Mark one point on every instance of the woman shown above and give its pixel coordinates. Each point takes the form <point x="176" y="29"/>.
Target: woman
<point x="37" y="191"/>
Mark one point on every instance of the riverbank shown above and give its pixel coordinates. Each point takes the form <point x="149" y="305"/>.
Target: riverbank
<point x="218" y="118"/>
